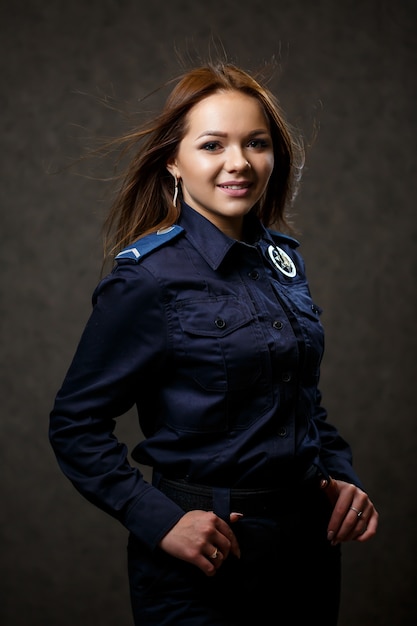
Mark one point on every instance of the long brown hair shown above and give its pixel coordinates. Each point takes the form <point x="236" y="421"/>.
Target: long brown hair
<point x="143" y="202"/>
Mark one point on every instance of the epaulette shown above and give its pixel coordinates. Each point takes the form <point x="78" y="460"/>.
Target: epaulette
<point x="147" y="244"/>
<point x="285" y="238"/>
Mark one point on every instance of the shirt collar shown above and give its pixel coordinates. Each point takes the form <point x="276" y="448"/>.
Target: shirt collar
<point x="211" y="242"/>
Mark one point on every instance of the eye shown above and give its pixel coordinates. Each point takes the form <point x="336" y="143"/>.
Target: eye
<point x="259" y="144"/>
<point x="211" y="146"/>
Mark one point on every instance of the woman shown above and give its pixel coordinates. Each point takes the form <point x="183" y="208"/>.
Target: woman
<point x="207" y="325"/>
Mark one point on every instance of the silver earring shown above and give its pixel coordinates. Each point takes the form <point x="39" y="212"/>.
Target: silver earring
<point x="174" y="199"/>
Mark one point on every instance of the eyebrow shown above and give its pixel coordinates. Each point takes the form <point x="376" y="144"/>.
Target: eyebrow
<point x="219" y="133"/>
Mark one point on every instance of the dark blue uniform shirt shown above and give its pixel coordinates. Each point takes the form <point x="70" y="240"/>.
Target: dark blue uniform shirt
<point x="218" y="343"/>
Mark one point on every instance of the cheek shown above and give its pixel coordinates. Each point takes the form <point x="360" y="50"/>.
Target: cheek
<point x="199" y="170"/>
<point x="270" y="164"/>
<point x="267" y="169"/>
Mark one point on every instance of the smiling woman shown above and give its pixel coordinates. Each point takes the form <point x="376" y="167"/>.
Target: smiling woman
<point x="206" y="324"/>
<point x="224" y="172"/>
<point x="147" y="198"/>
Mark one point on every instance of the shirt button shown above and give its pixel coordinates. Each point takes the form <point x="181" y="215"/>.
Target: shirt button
<point x="220" y="323"/>
<point x="282" y="431"/>
<point x="286" y="377"/>
<point x="254" y="274"/>
<point x="277" y="324"/>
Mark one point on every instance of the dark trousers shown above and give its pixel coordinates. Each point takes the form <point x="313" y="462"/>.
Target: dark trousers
<point x="288" y="575"/>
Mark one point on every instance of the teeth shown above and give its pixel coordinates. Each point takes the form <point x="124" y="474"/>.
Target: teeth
<point x="233" y="186"/>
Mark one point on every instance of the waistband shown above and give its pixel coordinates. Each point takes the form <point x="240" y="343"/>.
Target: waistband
<point x="258" y="502"/>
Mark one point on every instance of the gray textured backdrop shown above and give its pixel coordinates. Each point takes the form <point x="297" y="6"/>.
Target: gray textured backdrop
<point x="348" y="68"/>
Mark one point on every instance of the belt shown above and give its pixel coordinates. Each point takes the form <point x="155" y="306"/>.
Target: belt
<point x="257" y="502"/>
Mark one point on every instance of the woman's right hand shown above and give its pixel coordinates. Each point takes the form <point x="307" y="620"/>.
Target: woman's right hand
<point x="203" y="539"/>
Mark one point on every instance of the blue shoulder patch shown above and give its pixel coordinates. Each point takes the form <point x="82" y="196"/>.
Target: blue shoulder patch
<point x="285" y="238"/>
<point x="144" y="245"/>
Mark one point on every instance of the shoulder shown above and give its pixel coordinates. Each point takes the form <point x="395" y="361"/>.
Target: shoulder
<point x="279" y="237"/>
<point x="149" y="243"/>
<point x="130" y="279"/>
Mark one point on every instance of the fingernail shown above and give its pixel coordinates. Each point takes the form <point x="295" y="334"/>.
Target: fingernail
<point x="330" y="535"/>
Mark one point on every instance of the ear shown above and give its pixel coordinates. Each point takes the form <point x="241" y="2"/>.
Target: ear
<point x="172" y="167"/>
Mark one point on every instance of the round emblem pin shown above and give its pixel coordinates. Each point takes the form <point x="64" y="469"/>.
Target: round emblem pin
<point x="282" y="261"/>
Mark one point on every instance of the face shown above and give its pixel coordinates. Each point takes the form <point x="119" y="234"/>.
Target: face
<point x="225" y="159"/>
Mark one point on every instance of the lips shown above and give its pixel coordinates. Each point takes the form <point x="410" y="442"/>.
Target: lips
<point x="235" y="189"/>
<point x="235" y="185"/>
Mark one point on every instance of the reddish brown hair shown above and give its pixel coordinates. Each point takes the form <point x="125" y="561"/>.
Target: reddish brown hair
<point x="143" y="202"/>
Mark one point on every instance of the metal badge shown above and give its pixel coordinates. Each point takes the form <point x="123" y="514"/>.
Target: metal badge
<point x="164" y="231"/>
<point x="282" y="261"/>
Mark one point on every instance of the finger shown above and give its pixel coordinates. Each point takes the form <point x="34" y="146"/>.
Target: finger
<point x="215" y="554"/>
<point x="341" y="495"/>
<point x="226" y="540"/>
<point x="360" y="524"/>
<point x="358" y="511"/>
<point x="353" y="528"/>
<point x="352" y="524"/>
<point x="330" y="488"/>
<point x="370" y="528"/>
<point x="356" y="517"/>
<point x="359" y="532"/>
<point x="206" y="565"/>
<point x="227" y="543"/>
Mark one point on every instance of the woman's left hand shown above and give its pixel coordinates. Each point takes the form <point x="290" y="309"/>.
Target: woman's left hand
<point x="354" y="516"/>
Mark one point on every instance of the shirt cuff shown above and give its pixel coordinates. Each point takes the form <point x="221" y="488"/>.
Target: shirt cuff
<point x="152" y="516"/>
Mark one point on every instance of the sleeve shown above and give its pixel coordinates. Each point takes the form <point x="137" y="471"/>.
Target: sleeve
<point x="335" y="456"/>
<point x="122" y="346"/>
<point x="335" y="453"/>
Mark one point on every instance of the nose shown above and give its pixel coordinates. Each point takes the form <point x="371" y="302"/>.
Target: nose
<point x="236" y="160"/>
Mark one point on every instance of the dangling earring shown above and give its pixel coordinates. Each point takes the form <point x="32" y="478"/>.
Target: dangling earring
<point x="174" y="199"/>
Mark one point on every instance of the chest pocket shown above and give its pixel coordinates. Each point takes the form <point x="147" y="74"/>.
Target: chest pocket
<point x="221" y="343"/>
<point x="307" y="314"/>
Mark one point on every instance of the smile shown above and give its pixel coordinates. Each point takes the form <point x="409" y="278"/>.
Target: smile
<point x="236" y="190"/>
<point x="235" y="186"/>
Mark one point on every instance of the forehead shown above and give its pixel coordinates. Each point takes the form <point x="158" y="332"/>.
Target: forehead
<point x="222" y="110"/>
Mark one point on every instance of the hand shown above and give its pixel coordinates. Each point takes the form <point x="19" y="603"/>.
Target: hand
<point x="198" y="536"/>
<point x="354" y="517"/>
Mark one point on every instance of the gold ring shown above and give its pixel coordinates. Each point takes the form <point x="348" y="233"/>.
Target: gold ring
<point x="358" y="513"/>
<point x="214" y="555"/>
